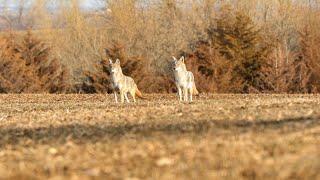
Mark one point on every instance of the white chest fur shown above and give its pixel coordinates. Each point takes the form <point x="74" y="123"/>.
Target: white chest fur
<point x="182" y="79"/>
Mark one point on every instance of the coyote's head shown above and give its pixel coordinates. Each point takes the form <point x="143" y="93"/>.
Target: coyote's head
<point x="179" y="65"/>
<point x="115" y="68"/>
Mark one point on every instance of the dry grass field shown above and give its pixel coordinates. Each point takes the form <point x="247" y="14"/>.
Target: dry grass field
<point x="217" y="136"/>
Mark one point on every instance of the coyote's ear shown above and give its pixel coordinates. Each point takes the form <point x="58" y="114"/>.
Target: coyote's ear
<point x="110" y="61"/>
<point x="174" y="59"/>
<point x="182" y="59"/>
<point x="117" y="61"/>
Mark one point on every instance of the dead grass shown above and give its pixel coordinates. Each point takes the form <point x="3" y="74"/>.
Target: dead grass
<point x="218" y="136"/>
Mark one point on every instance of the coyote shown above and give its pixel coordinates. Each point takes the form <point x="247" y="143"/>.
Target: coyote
<point x="184" y="80"/>
<point x="123" y="84"/>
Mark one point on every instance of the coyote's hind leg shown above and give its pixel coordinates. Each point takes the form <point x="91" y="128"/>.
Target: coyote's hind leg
<point x="126" y="96"/>
<point x="133" y="94"/>
<point x="122" y="96"/>
<point x="190" y="94"/>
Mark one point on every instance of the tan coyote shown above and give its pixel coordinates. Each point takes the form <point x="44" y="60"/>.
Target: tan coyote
<point x="123" y="84"/>
<point x="184" y="80"/>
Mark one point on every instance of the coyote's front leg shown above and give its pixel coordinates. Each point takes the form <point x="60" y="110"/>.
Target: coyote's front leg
<point x="185" y="93"/>
<point x="115" y="96"/>
<point x="179" y="93"/>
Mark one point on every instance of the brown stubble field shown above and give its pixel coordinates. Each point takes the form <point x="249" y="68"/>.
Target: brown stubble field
<point x="217" y="136"/>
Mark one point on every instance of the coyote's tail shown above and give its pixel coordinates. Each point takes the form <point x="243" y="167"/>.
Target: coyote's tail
<point x="139" y="94"/>
<point x="195" y="90"/>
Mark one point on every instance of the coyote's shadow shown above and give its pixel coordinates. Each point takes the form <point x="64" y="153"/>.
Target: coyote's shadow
<point x="81" y="133"/>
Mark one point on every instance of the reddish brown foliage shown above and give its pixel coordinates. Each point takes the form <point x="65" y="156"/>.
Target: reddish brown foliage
<point x="233" y="59"/>
<point x="202" y="63"/>
<point x="301" y="73"/>
<point x="26" y="67"/>
<point x="307" y="65"/>
<point x="213" y="73"/>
